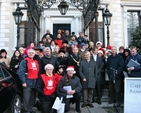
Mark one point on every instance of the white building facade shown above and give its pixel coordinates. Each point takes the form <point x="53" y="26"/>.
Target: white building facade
<point x="124" y="21"/>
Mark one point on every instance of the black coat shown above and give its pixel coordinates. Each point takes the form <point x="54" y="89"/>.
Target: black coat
<point x="115" y="62"/>
<point x="67" y="38"/>
<point x="74" y="82"/>
<point x="15" y="62"/>
<point x="63" y="61"/>
<point x="89" y="72"/>
<point x="73" y="63"/>
<point x="45" y="60"/>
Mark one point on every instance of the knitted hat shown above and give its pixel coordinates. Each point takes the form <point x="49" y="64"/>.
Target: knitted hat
<point x="82" y="44"/>
<point x="91" y="42"/>
<point x="49" y="66"/>
<point x="71" y="68"/>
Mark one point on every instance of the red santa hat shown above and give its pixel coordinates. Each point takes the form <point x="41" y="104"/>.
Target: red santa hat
<point x="49" y="66"/>
<point x="71" y="68"/>
<point x="100" y="51"/>
<point x="109" y="47"/>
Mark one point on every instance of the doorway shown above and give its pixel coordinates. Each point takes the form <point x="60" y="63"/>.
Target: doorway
<point x="62" y="27"/>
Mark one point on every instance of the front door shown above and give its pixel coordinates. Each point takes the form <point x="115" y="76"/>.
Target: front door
<point x="62" y="27"/>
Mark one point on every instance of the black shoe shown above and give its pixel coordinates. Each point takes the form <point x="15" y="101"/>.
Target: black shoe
<point x="90" y="105"/>
<point x="116" y="104"/>
<point x="99" y="102"/>
<point x="111" y="102"/>
<point x="83" y="105"/>
<point x="78" y="111"/>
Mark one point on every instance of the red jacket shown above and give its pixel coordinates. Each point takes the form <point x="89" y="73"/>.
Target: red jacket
<point x="59" y="42"/>
<point x="32" y="68"/>
<point x="58" y="77"/>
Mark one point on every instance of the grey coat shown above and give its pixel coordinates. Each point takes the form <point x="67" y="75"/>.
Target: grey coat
<point x="100" y="64"/>
<point x="89" y="72"/>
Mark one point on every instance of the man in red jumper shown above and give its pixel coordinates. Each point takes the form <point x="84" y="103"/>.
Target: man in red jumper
<point x="28" y="74"/>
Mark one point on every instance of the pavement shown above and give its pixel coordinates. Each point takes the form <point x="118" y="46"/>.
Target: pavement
<point x="103" y="108"/>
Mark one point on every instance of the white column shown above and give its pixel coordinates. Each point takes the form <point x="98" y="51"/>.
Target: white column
<point x="42" y="24"/>
<point x="81" y="26"/>
<point x="125" y="35"/>
<point x="77" y="25"/>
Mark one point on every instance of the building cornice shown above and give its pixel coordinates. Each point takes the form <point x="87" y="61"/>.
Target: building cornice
<point x="18" y="1"/>
<point x="137" y="4"/>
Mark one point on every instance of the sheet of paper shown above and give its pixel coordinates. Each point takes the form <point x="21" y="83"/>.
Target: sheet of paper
<point x="68" y="88"/>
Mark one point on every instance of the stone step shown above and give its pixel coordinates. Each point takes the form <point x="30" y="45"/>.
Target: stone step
<point x="105" y="97"/>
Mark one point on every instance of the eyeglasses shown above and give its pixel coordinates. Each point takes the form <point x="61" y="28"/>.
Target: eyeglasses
<point x="31" y="53"/>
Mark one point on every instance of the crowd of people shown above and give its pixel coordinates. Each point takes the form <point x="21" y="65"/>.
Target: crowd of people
<point x="67" y="60"/>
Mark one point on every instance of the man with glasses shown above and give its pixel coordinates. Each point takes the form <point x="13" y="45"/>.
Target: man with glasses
<point x="28" y="74"/>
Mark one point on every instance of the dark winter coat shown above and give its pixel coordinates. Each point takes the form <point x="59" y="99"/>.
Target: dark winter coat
<point x="68" y="38"/>
<point x="117" y="63"/>
<point x="74" y="82"/>
<point x="89" y="72"/>
<point x="15" y="62"/>
<point x="80" y="40"/>
<point x="63" y="61"/>
<point x="137" y="71"/>
<point x="100" y="64"/>
<point x="45" y="60"/>
<point x="72" y="62"/>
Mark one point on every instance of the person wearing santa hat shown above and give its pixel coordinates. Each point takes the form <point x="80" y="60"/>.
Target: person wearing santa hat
<point x="73" y="81"/>
<point x="46" y="87"/>
<point x="100" y="53"/>
<point x="99" y="46"/>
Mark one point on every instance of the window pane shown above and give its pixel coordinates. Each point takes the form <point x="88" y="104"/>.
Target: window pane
<point x="132" y="23"/>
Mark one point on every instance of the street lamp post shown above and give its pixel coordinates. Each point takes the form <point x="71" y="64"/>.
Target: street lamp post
<point x="107" y="20"/>
<point x="63" y="7"/>
<point x="18" y="17"/>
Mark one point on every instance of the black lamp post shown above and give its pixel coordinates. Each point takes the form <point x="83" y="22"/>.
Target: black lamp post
<point x="18" y="17"/>
<point x="107" y="20"/>
<point x="63" y="7"/>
